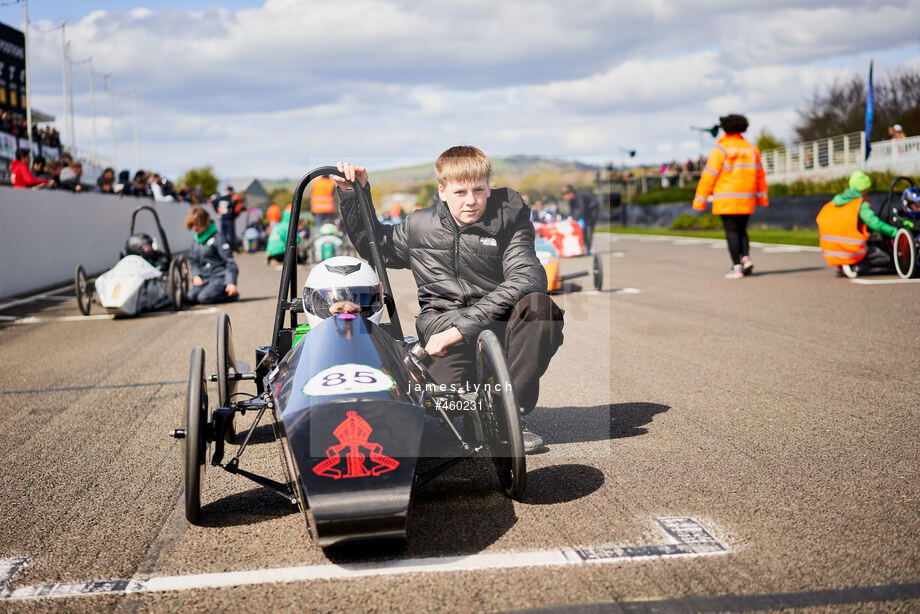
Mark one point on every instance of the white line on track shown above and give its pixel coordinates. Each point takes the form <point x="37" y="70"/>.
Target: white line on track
<point x="688" y="538"/>
<point x="870" y="282"/>
<point x="627" y="291"/>
<point x="50" y="294"/>
<point x="106" y="316"/>
<point x="784" y="249"/>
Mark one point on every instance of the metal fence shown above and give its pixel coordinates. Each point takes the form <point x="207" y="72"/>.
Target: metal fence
<point x="838" y="156"/>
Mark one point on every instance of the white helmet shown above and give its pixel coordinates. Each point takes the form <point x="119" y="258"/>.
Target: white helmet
<point x="342" y="278"/>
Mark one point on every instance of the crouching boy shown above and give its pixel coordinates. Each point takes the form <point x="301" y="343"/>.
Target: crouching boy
<point x="473" y="259"/>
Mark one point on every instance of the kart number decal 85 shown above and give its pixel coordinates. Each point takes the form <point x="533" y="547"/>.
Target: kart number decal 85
<point x="348" y="379"/>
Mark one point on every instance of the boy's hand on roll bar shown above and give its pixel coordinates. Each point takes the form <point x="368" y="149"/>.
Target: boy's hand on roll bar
<point x="351" y="173"/>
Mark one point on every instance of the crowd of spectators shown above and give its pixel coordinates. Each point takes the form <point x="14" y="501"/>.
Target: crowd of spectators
<point x="65" y="173"/>
<point x="10" y="124"/>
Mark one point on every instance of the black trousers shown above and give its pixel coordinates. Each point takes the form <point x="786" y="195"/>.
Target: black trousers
<point x="531" y="336"/>
<point x="589" y="235"/>
<point x="736" y="236"/>
<point x="228" y="229"/>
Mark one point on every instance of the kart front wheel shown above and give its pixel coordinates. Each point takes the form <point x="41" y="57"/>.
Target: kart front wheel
<point x="226" y="368"/>
<point x="196" y="441"/>
<point x="598" y="272"/>
<point x="905" y="254"/>
<point x="83" y="290"/>
<point x="501" y="415"/>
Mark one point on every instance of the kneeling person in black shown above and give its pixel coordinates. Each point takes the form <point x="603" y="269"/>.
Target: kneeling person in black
<point x="214" y="271"/>
<point x="473" y="259"/>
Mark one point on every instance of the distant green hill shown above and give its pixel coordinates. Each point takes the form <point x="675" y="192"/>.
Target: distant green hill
<point x="409" y="178"/>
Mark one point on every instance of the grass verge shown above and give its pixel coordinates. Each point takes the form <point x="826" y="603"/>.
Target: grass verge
<point x="764" y="235"/>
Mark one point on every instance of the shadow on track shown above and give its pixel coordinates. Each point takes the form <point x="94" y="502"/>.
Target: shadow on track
<point x="245" y="508"/>
<point x="561" y="484"/>
<point x="251" y="299"/>
<point x="599" y="423"/>
<point x="762" y="273"/>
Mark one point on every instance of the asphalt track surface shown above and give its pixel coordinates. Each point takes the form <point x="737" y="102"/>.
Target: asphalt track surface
<point x="778" y="413"/>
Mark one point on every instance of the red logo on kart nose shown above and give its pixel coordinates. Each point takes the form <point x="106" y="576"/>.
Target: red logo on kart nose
<point x="353" y="435"/>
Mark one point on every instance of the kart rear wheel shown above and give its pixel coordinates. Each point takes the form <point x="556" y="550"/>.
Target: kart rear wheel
<point x="501" y="415"/>
<point x="226" y="366"/>
<point x="196" y="440"/>
<point x="598" y="272"/>
<point x="83" y="290"/>
<point x="905" y="254"/>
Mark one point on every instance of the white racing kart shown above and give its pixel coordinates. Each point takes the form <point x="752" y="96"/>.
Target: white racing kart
<point x="147" y="277"/>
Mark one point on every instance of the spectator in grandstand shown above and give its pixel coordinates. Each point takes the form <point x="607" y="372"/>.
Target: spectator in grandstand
<point x="214" y="271"/>
<point x="105" y="185"/>
<point x="157" y="186"/>
<point x="19" y="171"/>
<point x="183" y="194"/>
<point x="138" y="187"/>
<point x="585" y="207"/>
<point x="71" y="176"/>
<point x="53" y="171"/>
<point x="108" y="174"/>
<point x="66" y="160"/>
<point x="6" y="122"/>
<point x="735" y="179"/>
<point x="38" y="167"/>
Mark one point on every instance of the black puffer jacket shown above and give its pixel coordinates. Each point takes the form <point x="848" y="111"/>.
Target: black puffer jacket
<point x="467" y="277"/>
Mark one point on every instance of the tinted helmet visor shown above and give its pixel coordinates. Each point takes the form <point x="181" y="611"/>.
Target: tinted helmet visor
<point x="368" y="298"/>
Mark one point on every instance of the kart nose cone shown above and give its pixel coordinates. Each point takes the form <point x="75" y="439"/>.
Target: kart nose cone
<point x="355" y="463"/>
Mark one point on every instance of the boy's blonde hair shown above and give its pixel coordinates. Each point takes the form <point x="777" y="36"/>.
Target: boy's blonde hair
<point x="462" y="164"/>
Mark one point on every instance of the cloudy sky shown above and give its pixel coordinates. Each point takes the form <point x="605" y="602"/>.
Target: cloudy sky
<point x="271" y="88"/>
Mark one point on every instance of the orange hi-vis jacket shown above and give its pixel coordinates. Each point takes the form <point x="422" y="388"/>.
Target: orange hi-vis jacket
<point x="734" y="177"/>
<point x="841" y="237"/>
<point x="321" y="195"/>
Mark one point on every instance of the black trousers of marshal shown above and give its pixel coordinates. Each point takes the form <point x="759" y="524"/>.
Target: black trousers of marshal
<point x="530" y="336"/>
<point x="736" y="236"/>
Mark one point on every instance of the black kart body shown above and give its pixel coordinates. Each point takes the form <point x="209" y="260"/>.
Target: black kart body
<point x="349" y="402"/>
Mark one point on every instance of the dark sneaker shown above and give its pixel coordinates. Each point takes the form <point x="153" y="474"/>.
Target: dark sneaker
<point x="533" y="443"/>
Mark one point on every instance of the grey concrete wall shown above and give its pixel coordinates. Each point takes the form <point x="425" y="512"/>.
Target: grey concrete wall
<point x="45" y="234"/>
<point x="784" y="212"/>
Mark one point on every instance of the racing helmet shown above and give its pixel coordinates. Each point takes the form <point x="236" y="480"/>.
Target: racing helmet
<point x="342" y="278"/>
<point x="328" y="229"/>
<point x="140" y="244"/>
<point x="910" y="203"/>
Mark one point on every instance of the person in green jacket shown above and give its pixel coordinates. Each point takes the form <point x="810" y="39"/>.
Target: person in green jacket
<point x="277" y="239"/>
<point x="859" y="185"/>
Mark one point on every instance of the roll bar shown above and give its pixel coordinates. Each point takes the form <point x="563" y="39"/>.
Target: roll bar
<point x="156" y="218"/>
<point x="288" y="290"/>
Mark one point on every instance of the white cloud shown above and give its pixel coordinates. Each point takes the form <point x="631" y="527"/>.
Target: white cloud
<point x="265" y="90"/>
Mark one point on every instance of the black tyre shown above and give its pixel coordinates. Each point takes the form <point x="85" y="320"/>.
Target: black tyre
<point x="501" y="416"/>
<point x="905" y="254"/>
<point x="598" y="272"/>
<point x="177" y="282"/>
<point x="83" y="290"/>
<point x="226" y="367"/>
<point x="196" y="440"/>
